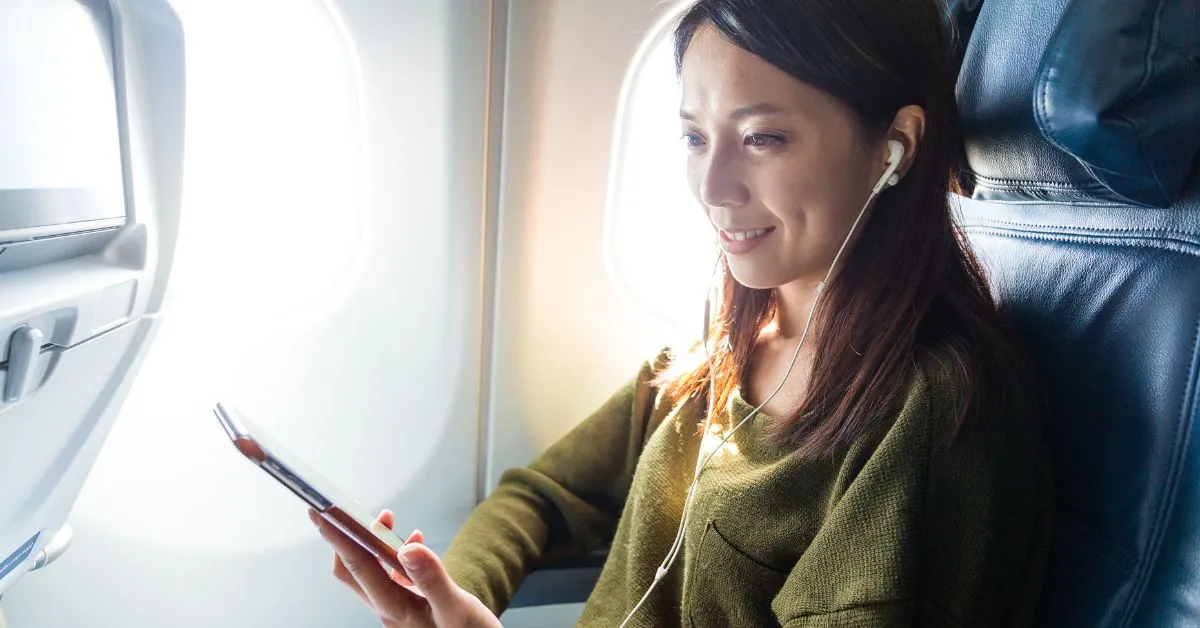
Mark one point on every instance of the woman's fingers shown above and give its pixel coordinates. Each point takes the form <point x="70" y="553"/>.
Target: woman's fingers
<point x="436" y="598"/>
<point x="387" y="520"/>
<point x="429" y="574"/>
<point x="343" y="575"/>
<point x="399" y="578"/>
<point x="369" y="577"/>
<point x="416" y="537"/>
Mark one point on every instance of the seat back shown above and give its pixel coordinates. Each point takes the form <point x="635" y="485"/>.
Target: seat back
<point x="91" y="162"/>
<point x="1082" y="123"/>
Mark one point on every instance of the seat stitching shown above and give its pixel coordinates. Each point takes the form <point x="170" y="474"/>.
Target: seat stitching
<point x="1166" y="506"/>
<point x="1081" y="239"/>
<point x="1134" y="230"/>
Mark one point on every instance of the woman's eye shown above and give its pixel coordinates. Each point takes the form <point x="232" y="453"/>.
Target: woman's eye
<point x="692" y="140"/>
<point x="763" y="140"/>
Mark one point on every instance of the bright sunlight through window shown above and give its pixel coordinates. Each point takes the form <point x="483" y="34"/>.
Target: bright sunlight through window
<point x="271" y="240"/>
<point x="272" y="215"/>
<point x="659" y="245"/>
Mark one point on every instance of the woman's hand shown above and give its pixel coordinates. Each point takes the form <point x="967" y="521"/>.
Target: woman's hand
<point x="433" y="601"/>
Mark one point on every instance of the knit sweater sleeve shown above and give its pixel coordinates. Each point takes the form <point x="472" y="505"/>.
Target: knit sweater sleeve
<point x="565" y="503"/>
<point x="929" y="533"/>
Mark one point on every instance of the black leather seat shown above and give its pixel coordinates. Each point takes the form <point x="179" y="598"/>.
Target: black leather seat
<point x="1082" y="123"/>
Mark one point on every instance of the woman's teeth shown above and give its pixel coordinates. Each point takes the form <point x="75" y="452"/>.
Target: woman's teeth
<point x="745" y="235"/>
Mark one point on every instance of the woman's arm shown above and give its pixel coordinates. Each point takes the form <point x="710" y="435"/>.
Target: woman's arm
<point x="565" y="503"/>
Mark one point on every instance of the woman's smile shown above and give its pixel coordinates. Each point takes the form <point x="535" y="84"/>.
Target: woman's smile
<point x="742" y="242"/>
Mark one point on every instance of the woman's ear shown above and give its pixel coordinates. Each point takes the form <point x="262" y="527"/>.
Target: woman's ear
<point x="908" y="127"/>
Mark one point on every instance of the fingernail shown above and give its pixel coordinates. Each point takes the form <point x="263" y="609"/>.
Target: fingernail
<point x="314" y="517"/>
<point x="410" y="560"/>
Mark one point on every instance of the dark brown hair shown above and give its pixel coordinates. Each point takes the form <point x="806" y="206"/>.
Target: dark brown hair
<point x="910" y="288"/>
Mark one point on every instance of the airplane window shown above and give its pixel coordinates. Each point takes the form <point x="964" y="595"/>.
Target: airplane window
<point x="654" y="228"/>
<point x="273" y="213"/>
<point x="271" y="240"/>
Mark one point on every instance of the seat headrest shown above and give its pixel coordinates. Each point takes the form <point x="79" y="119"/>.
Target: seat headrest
<point x="1095" y="100"/>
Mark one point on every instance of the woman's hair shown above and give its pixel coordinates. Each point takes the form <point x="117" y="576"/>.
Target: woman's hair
<point x="910" y="288"/>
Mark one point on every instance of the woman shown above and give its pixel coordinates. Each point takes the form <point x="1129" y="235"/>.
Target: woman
<point x="869" y="448"/>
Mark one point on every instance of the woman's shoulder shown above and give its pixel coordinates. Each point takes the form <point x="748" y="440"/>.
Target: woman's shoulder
<point x="667" y="363"/>
<point x="1001" y="405"/>
<point x="652" y="399"/>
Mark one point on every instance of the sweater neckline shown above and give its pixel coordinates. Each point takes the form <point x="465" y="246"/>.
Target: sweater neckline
<point x="739" y="408"/>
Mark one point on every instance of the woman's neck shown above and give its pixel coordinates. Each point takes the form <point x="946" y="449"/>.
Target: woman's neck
<point x="793" y="302"/>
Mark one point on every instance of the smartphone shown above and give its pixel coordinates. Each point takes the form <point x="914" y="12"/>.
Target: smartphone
<point x="332" y="504"/>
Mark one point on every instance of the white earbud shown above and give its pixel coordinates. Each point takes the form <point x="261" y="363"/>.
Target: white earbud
<point x="890" y="178"/>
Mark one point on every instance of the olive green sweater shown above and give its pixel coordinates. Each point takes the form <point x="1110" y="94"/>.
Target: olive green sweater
<point x="902" y="530"/>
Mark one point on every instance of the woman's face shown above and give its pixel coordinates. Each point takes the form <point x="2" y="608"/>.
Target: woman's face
<point x="779" y="166"/>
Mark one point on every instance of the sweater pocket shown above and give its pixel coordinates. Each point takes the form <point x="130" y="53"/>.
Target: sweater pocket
<point x="728" y="587"/>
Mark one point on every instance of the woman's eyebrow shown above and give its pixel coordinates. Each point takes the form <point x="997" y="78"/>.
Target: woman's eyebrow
<point x="757" y="109"/>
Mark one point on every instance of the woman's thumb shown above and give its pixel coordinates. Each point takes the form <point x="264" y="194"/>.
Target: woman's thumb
<point x="426" y="571"/>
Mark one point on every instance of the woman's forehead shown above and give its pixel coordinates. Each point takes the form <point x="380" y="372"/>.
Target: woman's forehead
<point x="718" y="77"/>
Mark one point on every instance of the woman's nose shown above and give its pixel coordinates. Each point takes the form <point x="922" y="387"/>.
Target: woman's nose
<point x="721" y="183"/>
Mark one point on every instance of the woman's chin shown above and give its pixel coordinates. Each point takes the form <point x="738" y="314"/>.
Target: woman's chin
<point x="754" y="280"/>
